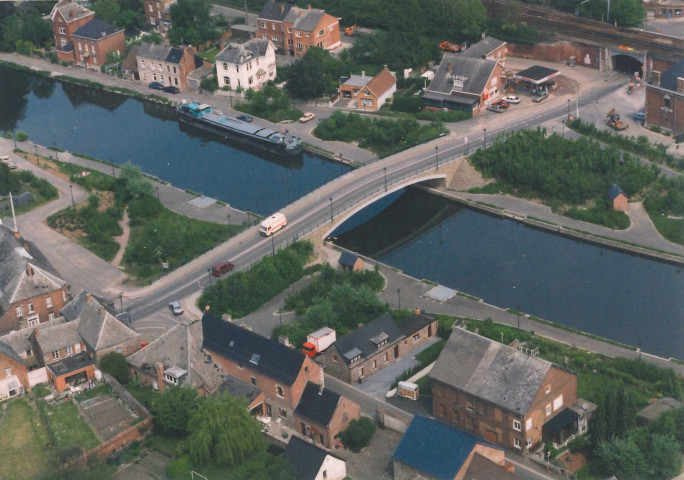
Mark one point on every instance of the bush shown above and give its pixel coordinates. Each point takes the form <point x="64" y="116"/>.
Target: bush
<point x="407" y="104"/>
<point x="22" y="136"/>
<point x="209" y="83"/>
<point x="115" y="364"/>
<point x="179" y="466"/>
<point x="358" y="434"/>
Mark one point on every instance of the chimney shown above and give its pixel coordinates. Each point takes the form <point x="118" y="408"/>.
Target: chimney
<point x="282" y="8"/>
<point x="363" y="73"/>
<point x="321" y="387"/>
<point x="104" y="34"/>
<point x="301" y="13"/>
<point x="36" y="332"/>
<point x="17" y="236"/>
<point x="100" y="310"/>
<point x="680" y="84"/>
<point x="88" y="296"/>
<point x="483" y="35"/>
<point x="308" y="7"/>
<point x="449" y="67"/>
<point x="160" y="375"/>
<point x="477" y="330"/>
<point x="29" y="270"/>
<point x="655" y="78"/>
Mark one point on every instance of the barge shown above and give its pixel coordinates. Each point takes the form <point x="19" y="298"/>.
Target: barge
<point x="205" y="117"/>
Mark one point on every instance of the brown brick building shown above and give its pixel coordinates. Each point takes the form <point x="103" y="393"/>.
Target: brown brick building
<point x="294" y="30"/>
<point x="157" y="13"/>
<point x="31" y="292"/>
<point x="169" y="66"/>
<point x="497" y="392"/>
<point x="665" y="99"/>
<point x="66" y="18"/>
<point x="369" y="93"/>
<point x="13" y="373"/>
<point x="368" y="349"/>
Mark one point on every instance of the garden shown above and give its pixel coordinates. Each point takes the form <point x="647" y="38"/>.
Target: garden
<point x="20" y="181"/>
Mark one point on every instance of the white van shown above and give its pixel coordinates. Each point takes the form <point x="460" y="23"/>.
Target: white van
<point x="272" y="224"/>
<point x="11" y="164"/>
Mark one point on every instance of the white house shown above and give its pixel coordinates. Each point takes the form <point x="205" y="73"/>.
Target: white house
<point x="247" y="65"/>
<point x="312" y="462"/>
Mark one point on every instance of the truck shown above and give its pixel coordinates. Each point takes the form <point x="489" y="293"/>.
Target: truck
<point x="318" y="341"/>
<point x="272" y="224"/>
<point x="408" y="390"/>
<point x="351" y="31"/>
<point x="614" y="120"/>
<point x="450" y="47"/>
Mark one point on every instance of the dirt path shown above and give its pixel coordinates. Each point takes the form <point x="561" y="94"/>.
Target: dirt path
<point x="122" y="240"/>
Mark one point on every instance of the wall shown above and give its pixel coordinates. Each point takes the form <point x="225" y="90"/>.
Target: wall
<point x="10" y="321"/>
<point x="391" y="420"/>
<point x="17" y="368"/>
<point x="671" y="119"/>
<point x="129" y="347"/>
<point x="60" y="382"/>
<point x="558" y="52"/>
<point x="37" y="376"/>
<point x="113" y="43"/>
<point x="403" y="471"/>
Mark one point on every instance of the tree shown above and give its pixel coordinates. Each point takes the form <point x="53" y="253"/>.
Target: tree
<point x="35" y="29"/>
<point x="306" y="78"/>
<point x="222" y="431"/>
<point x="134" y="181"/>
<point x="115" y="364"/>
<point x="173" y="409"/>
<point x="192" y="22"/>
<point x="107" y="11"/>
<point x="358" y="434"/>
<point x="630" y="13"/>
<point x="621" y="457"/>
<point x="663" y="458"/>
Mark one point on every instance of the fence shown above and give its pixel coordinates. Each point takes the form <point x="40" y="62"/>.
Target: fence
<point x="550" y="467"/>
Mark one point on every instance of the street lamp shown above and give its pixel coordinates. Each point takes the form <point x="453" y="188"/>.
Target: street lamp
<point x="399" y="298"/>
<point x="211" y="283"/>
<point x="468" y="146"/>
<point x="273" y="244"/>
<point x="385" y="170"/>
<point x="54" y="146"/>
<point x="331" y="209"/>
<point x="568" y="109"/>
<point x="121" y="300"/>
<point x="485" y="138"/>
<point x="228" y="219"/>
<point x="71" y="189"/>
<point x="157" y="188"/>
<point x="437" y="157"/>
<point x="517" y="309"/>
<point x="113" y="172"/>
<point x="14" y="135"/>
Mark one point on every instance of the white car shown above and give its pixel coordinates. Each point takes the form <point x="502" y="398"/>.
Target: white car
<point x="512" y="99"/>
<point x="306" y="117"/>
<point x="176" y="308"/>
<point x="11" y="164"/>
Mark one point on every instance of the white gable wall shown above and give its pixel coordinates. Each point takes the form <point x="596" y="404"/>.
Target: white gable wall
<point x="334" y="468"/>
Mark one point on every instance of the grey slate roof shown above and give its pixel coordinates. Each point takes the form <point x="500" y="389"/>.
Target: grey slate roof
<point x="9" y="352"/>
<point x="358" y="81"/>
<point x="491" y="371"/>
<point x="67" y="365"/>
<point x="415" y="323"/>
<point x="58" y="336"/>
<point x="359" y="341"/>
<point x="655" y="410"/>
<point x="15" y="283"/>
<point x="537" y="74"/>
<point x="614" y="191"/>
<point x="475" y="72"/>
<point x="237" y="388"/>
<point x="241" y="53"/>
<point x="242" y="346"/>
<point x="348" y="259"/>
<point x="96" y="29"/>
<point x="18" y="340"/>
<point x="482" y="48"/>
<point x="668" y="79"/>
<point x="316" y="405"/>
<point x="307" y="19"/>
<point x="271" y="11"/>
<point x="159" y="52"/>
<point x="305" y="457"/>
<point x="70" y="11"/>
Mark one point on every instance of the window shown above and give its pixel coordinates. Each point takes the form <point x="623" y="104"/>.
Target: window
<point x="325" y="472"/>
<point x="19" y="311"/>
<point x="30" y="308"/>
<point x="385" y="357"/>
<point x="273" y="26"/>
<point x="298" y="34"/>
<point x="69" y="350"/>
<point x="289" y="30"/>
<point x="308" y="35"/>
<point x="253" y="380"/>
<point x="517" y="443"/>
<point x="548" y="410"/>
<point x="64" y="295"/>
<point x="175" y="80"/>
<point x="263" y="24"/>
<point x="168" y="68"/>
<point x="375" y="364"/>
<point x="225" y="66"/>
<point x="516" y="425"/>
<point x="558" y="402"/>
<point x="48" y="302"/>
<point x="528" y="442"/>
<point x="250" y="80"/>
<point x="321" y="33"/>
<point x="528" y="424"/>
<point x="279" y="391"/>
<point x="360" y="372"/>
<point x="299" y="46"/>
<point x="334" y="358"/>
<point x="142" y="63"/>
<point x="152" y="20"/>
<point x="470" y="408"/>
<point x="275" y="38"/>
<point x="8" y="372"/>
<point x="151" y="9"/>
<point x="62" y="31"/>
<point x="283" y="412"/>
<point x="174" y="70"/>
<point x="55" y="355"/>
<point x="367" y="93"/>
<point x="290" y="42"/>
<point x="666" y="102"/>
<point x="34" y="322"/>
<point x="548" y="389"/>
<point x="345" y="417"/>
<point x="226" y="80"/>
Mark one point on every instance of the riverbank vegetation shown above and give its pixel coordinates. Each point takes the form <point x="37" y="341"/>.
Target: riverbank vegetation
<point x="572" y="176"/>
<point x="243" y="292"/>
<point x="665" y="207"/>
<point x="383" y="137"/>
<point x="20" y="181"/>
<point x="270" y="103"/>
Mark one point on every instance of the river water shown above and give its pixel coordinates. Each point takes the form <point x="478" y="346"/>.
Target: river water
<point x="622" y="297"/>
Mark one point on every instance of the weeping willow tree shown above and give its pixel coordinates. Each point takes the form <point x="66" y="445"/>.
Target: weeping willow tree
<point x="222" y="432"/>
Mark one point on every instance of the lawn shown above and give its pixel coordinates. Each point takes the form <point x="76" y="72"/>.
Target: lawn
<point x="209" y="55"/>
<point x="144" y="395"/>
<point x="68" y="426"/>
<point x="23" y="443"/>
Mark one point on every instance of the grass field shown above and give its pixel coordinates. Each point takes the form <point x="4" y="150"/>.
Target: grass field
<point x="23" y="443"/>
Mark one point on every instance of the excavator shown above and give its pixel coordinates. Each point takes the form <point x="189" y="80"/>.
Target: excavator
<point x="450" y="47"/>
<point x="614" y="120"/>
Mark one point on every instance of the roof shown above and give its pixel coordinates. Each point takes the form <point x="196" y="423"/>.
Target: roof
<point x="656" y="409"/>
<point x="70" y="11"/>
<point x="18" y="340"/>
<point x="238" y="54"/>
<point x="668" y="79"/>
<point x="382" y="82"/>
<point x="482" y="468"/>
<point x="238" y="388"/>
<point x="537" y="74"/>
<point x="317" y="404"/>
<point x="483" y="48"/>
<point x="247" y="348"/>
<point x="491" y="371"/>
<point x="359" y="342"/>
<point x="305" y="457"/>
<point x="162" y="53"/>
<point x="561" y="421"/>
<point x="358" y="80"/>
<point x="58" y="336"/>
<point x="96" y="29"/>
<point x="7" y="350"/>
<point x="614" y="191"/>
<point x="436" y="448"/>
<point x="271" y="10"/>
<point x="304" y="19"/>
<point x="415" y="323"/>
<point x="15" y="282"/>
<point x="472" y="72"/>
<point x="68" y="365"/>
<point x="348" y="259"/>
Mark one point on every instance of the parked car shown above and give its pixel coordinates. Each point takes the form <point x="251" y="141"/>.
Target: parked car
<point x="11" y="164"/>
<point x="306" y="117"/>
<point x="640" y="117"/>
<point x="503" y="104"/>
<point x="171" y="89"/>
<point x="244" y="118"/>
<point x="496" y="108"/>
<point x="156" y="86"/>
<point x="175" y="308"/>
<point x="512" y="99"/>
<point x="221" y="268"/>
<point x="540" y="96"/>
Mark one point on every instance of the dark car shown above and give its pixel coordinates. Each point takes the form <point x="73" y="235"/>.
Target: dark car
<point x="496" y="108"/>
<point x="171" y="89"/>
<point x="640" y="117"/>
<point x="503" y="104"/>
<point x="221" y="268"/>
<point x="244" y="118"/>
<point x="156" y="86"/>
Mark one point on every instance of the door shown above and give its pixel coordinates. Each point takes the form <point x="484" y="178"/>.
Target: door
<point x="396" y="351"/>
<point x="303" y="427"/>
<point x="429" y="331"/>
<point x="491" y="436"/>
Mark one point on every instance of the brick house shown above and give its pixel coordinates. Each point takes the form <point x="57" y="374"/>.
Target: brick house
<point x="31" y="292"/>
<point x="665" y="99"/>
<point x="91" y="43"/>
<point x="618" y="198"/>
<point x="100" y="330"/>
<point x="247" y="65"/>
<point x="13" y="373"/>
<point x="665" y="8"/>
<point x="431" y="450"/>
<point x="312" y="462"/>
<point x="295" y="30"/>
<point x="489" y="48"/>
<point x="66" y="18"/>
<point x="372" y="347"/>
<point x="283" y="374"/>
<point x="350" y="261"/>
<point x="157" y="14"/>
<point x="369" y="93"/>
<point x="497" y="392"/>
<point x="169" y="66"/>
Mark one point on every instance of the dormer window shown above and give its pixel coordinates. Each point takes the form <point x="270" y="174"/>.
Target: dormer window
<point x="255" y="359"/>
<point x="380" y="339"/>
<point x="353" y="355"/>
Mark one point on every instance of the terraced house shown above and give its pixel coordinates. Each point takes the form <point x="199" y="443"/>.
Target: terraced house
<point x="169" y="66"/>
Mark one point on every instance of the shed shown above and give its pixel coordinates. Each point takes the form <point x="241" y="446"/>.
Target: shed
<point x="408" y="390"/>
<point x="349" y="261"/>
<point x="655" y="410"/>
<point x="618" y="197"/>
<point x="537" y="77"/>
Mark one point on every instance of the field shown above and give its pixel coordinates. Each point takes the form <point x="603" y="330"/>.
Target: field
<point x="23" y="442"/>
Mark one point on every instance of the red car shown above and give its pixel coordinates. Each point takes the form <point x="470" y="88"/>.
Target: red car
<point x="502" y="104"/>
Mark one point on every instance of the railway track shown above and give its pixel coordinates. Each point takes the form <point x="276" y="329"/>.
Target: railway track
<point x="546" y="19"/>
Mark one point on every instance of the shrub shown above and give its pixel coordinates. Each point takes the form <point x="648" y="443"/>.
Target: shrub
<point x="209" y="83"/>
<point x="358" y="434"/>
<point x="407" y="104"/>
<point x="22" y="136"/>
<point x="179" y="466"/>
<point x="115" y="364"/>
<point x="94" y="201"/>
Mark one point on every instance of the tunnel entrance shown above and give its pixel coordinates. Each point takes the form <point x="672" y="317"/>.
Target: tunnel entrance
<point x="627" y="64"/>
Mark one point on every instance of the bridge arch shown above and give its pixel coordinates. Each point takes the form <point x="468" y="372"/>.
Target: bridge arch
<point x="626" y="61"/>
<point x="353" y="209"/>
